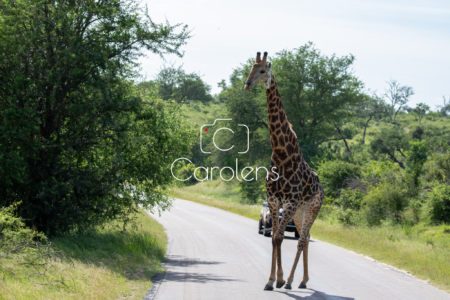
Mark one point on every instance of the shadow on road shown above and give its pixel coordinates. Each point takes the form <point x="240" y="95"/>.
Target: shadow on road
<point x="316" y="295"/>
<point x="196" y="277"/>
<point x="181" y="261"/>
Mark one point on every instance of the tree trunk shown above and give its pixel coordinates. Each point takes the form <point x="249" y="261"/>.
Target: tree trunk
<point x="343" y="138"/>
<point x="365" y="127"/>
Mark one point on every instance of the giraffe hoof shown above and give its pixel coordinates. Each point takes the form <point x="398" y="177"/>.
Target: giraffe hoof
<point x="280" y="284"/>
<point x="288" y="286"/>
<point x="268" y="288"/>
<point x="302" y="286"/>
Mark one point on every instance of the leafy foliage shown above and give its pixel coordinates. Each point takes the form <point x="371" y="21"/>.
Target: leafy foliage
<point x="333" y="174"/>
<point x="318" y="91"/>
<point x="390" y="144"/>
<point x="386" y="200"/>
<point x="78" y="142"/>
<point x="174" y="83"/>
<point x="439" y="199"/>
<point x="416" y="157"/>
<point x="421" y="110"/>
<point x="14" y="235"/>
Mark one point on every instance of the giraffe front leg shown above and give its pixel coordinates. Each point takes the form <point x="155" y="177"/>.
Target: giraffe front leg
<point x="269" y="284"/>
<point x="280" y="280"/>
<point x="288" y="213"/>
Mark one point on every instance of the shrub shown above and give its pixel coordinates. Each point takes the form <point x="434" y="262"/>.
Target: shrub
<point x="253" y="190"/>
<point x="437" y="168"/>
<point x="14" y="235"/>
<point x="350" y="199"/>
<point x="416" y="157"/>
<point x="379" y="169"/>
<point x="387" y="200"/>
<point x="439" y="202"/>
<point x="186" y="171"/>
<point x="346" y="216"/>
<point x="333" y="174"/>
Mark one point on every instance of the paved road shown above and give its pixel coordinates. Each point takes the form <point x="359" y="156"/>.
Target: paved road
<point x="214" y="254"/>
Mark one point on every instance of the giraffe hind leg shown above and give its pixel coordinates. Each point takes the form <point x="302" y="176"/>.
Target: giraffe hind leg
<point x="305" y="265"/>
<point x="298" y="217"/>
<point x="308" y="218"/>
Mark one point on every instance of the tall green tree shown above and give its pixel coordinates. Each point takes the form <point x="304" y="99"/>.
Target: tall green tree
<point x="78" y="144"/>
<point x="175" y="84"/>
<point x="318" y="92"/>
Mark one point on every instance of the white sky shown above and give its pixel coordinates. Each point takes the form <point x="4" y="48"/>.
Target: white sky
<point x="407" y="40"/>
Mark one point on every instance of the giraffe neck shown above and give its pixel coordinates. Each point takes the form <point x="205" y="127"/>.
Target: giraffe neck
<point x="283" y="139"/>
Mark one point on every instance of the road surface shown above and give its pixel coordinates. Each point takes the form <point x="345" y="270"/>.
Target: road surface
<point x="214" y="254"/>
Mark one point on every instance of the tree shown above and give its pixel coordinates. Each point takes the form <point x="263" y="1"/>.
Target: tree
<point x="175" y="84"/>
<point x="416" y="157"/>
<point x="445" y="108"/>
<point x="79" y="145"/>
<point x="390" y="143"/>
<point x="318" y="92"/>
<point x="373" y="107"/>
<point x="398" y="95"/>
<point x="421" y="110"/>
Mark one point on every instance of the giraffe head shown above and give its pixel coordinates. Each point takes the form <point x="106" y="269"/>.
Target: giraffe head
<point x="261" y="72"/>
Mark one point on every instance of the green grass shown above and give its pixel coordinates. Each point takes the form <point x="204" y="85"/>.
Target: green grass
<point x="220" y="194"/>
<point x="424" y="251"/>
<point x="108" y="264"/>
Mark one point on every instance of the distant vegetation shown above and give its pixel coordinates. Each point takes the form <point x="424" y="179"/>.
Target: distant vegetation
<point x="378" y="159"/>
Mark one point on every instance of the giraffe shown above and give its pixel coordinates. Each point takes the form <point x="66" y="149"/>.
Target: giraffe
<point x="298" y="189"/>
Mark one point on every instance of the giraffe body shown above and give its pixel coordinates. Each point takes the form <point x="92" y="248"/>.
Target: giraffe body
<point x="298" y="190"/>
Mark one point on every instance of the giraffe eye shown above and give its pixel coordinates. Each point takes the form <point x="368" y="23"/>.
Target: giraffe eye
<point x="262" y="72"/>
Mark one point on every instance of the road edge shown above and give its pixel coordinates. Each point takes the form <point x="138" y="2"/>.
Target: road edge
<point x="158" y="279"/>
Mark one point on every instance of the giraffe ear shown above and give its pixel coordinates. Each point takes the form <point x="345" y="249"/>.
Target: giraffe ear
<point x="269" y="65"/>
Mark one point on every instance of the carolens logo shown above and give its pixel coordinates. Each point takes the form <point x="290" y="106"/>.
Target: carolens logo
<point x="246" y="173"/>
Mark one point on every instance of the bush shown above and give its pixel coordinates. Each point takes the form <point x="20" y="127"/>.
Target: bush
<point x="376" y="170"/>
<point x="416" y="157"/>
<point x="387" y="200"/>
<point x="437" y="167"/>
<point x="439" y="201"/>
<point x="333" y="174"/>
<point x="186" y="171"/>
<point x="350" y="199"/>
<point x="14" y="235"/>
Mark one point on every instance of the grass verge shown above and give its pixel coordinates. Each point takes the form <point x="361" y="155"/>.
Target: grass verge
<point x="107" y="264"/>
<point x="423" y="251"/>
<point x="220" y="194"/>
